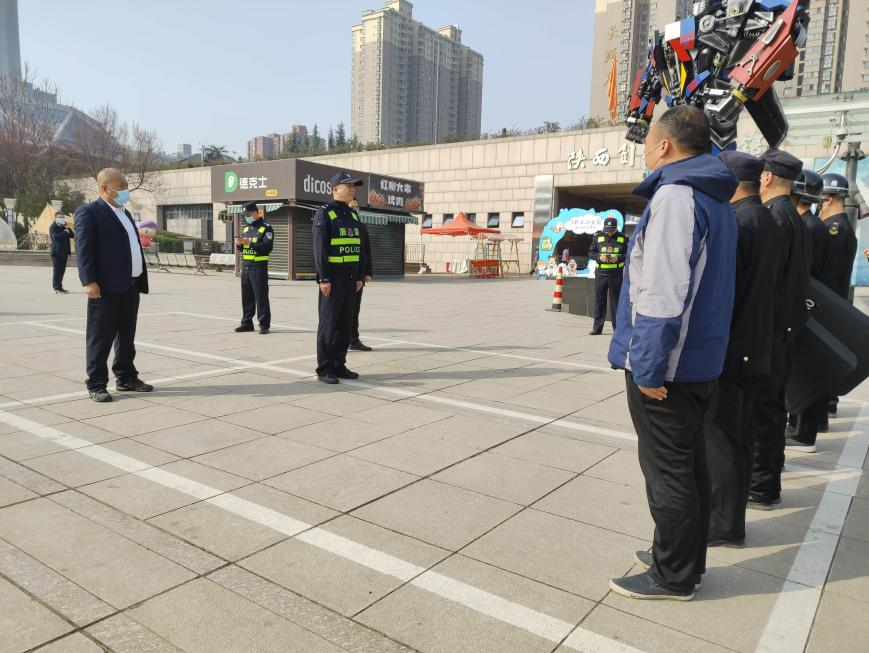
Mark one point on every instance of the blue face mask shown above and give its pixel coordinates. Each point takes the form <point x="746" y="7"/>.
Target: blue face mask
<point x="249" y="219"/>
<point x="60" y="221"/>
<point x="123" y="197"/>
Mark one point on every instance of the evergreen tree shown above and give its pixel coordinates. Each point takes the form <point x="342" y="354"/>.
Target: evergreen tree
<point x="330" y="142"/>
<point x="314" y="140"/>
<point x="341" y="135"/>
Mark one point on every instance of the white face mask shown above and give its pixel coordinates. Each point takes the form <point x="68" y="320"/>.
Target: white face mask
<point x="659" y="159"/>
<point x="60" y="221"/>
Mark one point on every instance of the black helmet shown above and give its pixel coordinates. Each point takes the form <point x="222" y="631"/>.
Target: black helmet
<point x="835" y="184"/>
<point x="808" y="187"/>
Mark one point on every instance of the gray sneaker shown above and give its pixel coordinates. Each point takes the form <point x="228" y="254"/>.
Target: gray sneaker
<point x="643" y="587"/>
<point x="644" y="559"/>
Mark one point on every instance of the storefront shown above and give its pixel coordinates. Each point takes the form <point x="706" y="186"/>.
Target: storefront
<point x="290" y="191"/>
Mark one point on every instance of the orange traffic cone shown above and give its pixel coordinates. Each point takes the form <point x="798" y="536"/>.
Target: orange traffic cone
<point x="557" y="296"/>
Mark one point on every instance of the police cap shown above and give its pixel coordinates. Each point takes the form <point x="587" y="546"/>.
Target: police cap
<point x="250" y="207"/>
<point x="744" y="166"/>
<point x="835" y="184"/>
<point x="782" y="164"/>
<point x="344" y="177"/>
<point x="808" y="187"/>
<point x="610" y="224"/>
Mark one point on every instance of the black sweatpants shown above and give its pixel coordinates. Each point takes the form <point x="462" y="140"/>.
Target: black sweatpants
<point x="730" y="454"/>
<point x="255" y="296"/>
<point x="58" y="269"/>
<point x="111" y="320"/>
<point x="604" y="285"/>
<point x="770" y="420"/>
<point x="672" y="456"/>
<point x="804" y="426"/>
<point x="336" y="322"/>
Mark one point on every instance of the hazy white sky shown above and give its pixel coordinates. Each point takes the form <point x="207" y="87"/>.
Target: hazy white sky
<point x="223" y="72"/>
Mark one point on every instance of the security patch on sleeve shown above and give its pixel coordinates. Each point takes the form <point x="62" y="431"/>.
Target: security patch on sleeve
<point x="269" y="235"/>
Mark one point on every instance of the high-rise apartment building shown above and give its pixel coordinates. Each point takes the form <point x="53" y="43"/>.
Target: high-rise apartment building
<point x="412" y="83"/>
<point x="263" y="147"/>
<point x="10" y="51"/>
<point x="184" y="150"/>
<point x="623" y="29"/>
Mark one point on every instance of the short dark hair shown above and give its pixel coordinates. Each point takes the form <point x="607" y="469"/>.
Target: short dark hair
<point x="752" y="187"/>
<point x="687" y="126"/>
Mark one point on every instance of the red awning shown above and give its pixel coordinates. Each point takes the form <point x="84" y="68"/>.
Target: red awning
<point x="460" y="226"/>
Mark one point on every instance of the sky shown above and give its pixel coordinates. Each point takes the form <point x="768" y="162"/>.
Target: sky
<point x="223" y="72"/>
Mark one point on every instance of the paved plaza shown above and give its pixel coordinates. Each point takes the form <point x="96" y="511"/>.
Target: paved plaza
<point x="475" y="490"/>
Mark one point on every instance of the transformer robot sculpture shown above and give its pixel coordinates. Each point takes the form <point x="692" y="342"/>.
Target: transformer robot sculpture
<point x="723" y="58"/>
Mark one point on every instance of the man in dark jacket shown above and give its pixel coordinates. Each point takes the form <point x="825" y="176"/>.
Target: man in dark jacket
<point x="60" y="233"/>
<point x="843" y="242"/>
<point x="781" y="170"/>
<point x="608" y="248"/>
<point x="112" y="270"/>
<point x="355" y="343"/>
<point x="671" y="338"/>
<point x="729" y="432"/>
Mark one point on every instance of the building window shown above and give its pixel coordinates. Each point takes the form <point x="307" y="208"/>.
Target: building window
<point x="188" y="212"/>
<point x="448" y="217"/>
<point x="427" y="221"/>
<point x="518" y="221"/>
<point x="472" y="217"/>
<point x="493" y="221"/>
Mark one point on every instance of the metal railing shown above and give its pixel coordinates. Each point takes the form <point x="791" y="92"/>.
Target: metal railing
<point x="414" y="253"/>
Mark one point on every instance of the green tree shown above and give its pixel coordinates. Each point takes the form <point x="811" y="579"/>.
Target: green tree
<point x="330" y="139"/>
<point x="340" y="135"/>
<point x="314" y="139"/>
<point x="71" y="199"/>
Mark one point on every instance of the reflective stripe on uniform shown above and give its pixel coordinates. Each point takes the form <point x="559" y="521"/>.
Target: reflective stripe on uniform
<point x="346" y="241"/>
<point x="620" y="239"/>
<point x="332" y="215"/>
<point x="601" y="239"/>
<point x="249" y="257"/>
<point x="611" y="266"/>
<point x="344" y="259"/>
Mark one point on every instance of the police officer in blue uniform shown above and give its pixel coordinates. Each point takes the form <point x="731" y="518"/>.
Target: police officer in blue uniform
<point x="255" y="243"/>
<point x="608" y="248"/>
<point x="339" y="259"/>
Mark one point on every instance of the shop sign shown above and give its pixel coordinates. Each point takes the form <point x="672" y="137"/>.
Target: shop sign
<point x="394" y="193"/>
<point x="627" y="154"/>
<point x="578" y="221"/>
<point x="312" y="182"/>
<point x="250" y="181"/>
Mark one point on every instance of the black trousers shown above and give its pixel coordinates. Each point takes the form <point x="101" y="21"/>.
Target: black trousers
<point x="770" y="421"/>
<point x="606" y="284"/>
<point x="672" y="456"/>
<point x="58" y="266"/>
<point x="804" y="426"/>
<point x="255" y="296"/>
<point x="111" y="320"/>
<point x="354" y="330"/>
<point x="336" y="323"/>
<point x="730" y="454"/>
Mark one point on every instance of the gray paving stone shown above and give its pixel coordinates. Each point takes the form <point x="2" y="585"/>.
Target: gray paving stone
<point x="13" y="493"/>
<point x="231" y="536"/>
<point x="342" y="482"/>
<point x="334" y="581"/>
<point x="38" y="415"/>
<point x="203" y="617"/>
<point x="857" y="524"/>
<point x="121" y="633"/>
<point x="144" y="420"/>
<point x="401" y="415"/>
<point x="198" y="438"/>
<point x="28" y="478"/>
<point x="623" y="467"/>
<point x="513" y="480"/>
<point x="24" y="623"/>
<point x="108" y="566"/>
<point x="340" y="434"/>
<point x="67" y="598"/>
<point x="554" y="451"/>
<point x="264" y="458"/>
<point x="79" y="409"/>
<point x="151" y="538"/>
<point x="276" y="419"/>
<point x="23" y="445"/>
<point x="848" y="574"/>
<point x="415" y="453"/>
<point x="339" y="404"/>
<point x="437" y="513"/>
<point x="75" y="643"/>
<point x="473" y="431"/>
<point x="840" y="625"/>
<point x="569" y="555"/>
<point x="312" y="617"/>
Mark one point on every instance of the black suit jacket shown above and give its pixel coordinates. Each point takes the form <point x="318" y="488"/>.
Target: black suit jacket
<point x="102" y="249"/>
<point x="59" y="240"/>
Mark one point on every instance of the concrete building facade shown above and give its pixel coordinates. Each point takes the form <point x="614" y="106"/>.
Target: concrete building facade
<point x="10" y="48"/>
<point x="411" y="83"/>
<point x="264" y="147"/>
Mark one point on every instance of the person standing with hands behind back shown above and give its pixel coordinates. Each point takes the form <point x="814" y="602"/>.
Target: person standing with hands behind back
<point x="60" y="233"/>
<point x="256" y="242"/>
<point x="340" y="264"/>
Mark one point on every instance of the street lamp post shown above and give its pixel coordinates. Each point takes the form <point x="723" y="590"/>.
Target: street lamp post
<point x="852" y="203"/>
<point x="10" y="203"/>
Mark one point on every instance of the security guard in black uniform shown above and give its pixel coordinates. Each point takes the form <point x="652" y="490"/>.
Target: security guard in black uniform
<point x="60" y="233"/>
<point x="339" y="258"/>
<point x="780" y="172"/>
<point x="803" y="429"/>
<point x="608" y="248"/>
<point x="255" y="243"/>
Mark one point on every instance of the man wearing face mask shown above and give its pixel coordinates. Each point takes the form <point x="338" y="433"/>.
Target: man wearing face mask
<point x="255" y="243"/>
<point x="112" y="270"/>
<point x="60" y="234"/>
<point x="340" y="262"/>
<point x="780" y="172"/>
<point x="671" y="339"/>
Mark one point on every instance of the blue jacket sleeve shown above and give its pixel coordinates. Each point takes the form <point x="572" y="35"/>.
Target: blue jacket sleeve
<point x="662" y="283"/>
<point x="86" y="245"/>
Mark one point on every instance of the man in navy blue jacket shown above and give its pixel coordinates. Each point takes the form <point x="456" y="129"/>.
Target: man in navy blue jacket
<point x="112" y="270"/>
<point x="673" y="325"/>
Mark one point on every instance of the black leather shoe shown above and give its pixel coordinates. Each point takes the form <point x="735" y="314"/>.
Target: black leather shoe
<point x="263" y="330"/>
<point x="243" y="328"/>
<point x="330" y="378"/>
<point x="594" y="333"/>
<point x="358" y="345"/>
<point x="136" y="385"/>
<point x="346" y="374"/>
<point x="100" y="395"/>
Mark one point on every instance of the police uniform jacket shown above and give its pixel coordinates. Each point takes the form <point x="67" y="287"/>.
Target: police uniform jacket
<point x="262" y="241"/>
<point x="338" y="250"/>
<point x="790" y="307"/>
<point x="820" y="238"/>
<point x="836" y="273"/>
<point x="759" y="254"/>
<point x="604" y="245"/>
<point x="59" y="240"/>
<point x="367" y="261"/>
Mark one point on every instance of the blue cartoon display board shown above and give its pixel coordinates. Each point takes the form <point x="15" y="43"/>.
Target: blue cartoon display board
<point x="578" y="221"/>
